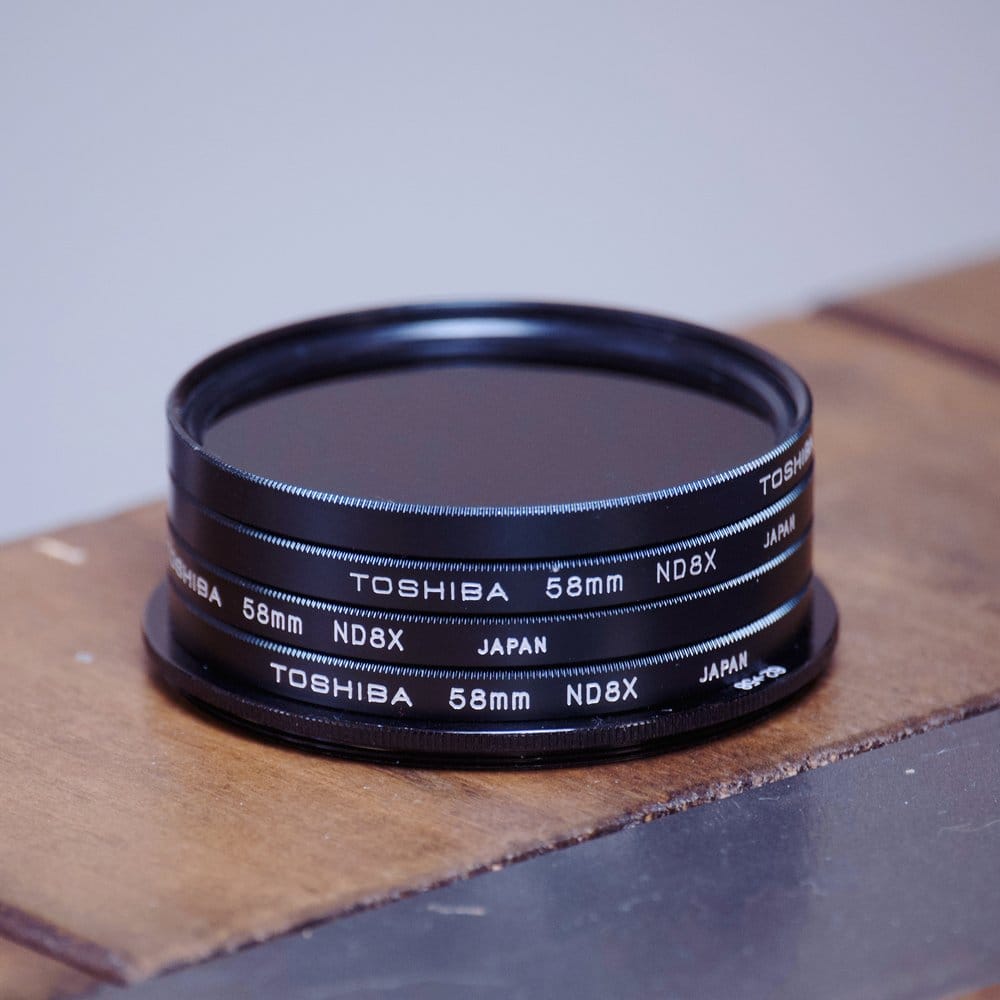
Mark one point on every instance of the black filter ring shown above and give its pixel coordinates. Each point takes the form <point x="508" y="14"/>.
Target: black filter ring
<point x="491" y="643"/>
<point x="406" y="585"/>
<point x="604" y="736"/>
<point x="578" y="336"/>
<point x="457" y="694"/>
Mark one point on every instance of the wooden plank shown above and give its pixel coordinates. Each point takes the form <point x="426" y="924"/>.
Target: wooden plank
<point x="162" y="837"/>
<point x="26" y="975"/>
<point x="957" y="313"/>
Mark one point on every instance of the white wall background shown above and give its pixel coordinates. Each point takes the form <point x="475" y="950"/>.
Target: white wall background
<point x="176" y="175"/>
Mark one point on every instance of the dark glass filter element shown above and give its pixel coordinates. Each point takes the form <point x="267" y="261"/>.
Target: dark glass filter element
<point x="717" y="400"/>
<point x="489" y="435"/>
<point x="484" y="534"/>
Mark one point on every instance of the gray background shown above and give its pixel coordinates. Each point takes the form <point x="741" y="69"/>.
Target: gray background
<point x="176" y="175"/>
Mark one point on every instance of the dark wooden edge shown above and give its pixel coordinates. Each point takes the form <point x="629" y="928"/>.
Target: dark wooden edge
<point x="55" y="943"/>
<point x="906" y="332"/>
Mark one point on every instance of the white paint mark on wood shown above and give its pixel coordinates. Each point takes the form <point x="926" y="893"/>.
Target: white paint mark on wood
<point x="62" y="551"/>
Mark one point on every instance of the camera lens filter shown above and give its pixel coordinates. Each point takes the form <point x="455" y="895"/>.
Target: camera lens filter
<point x="490" y="533"/>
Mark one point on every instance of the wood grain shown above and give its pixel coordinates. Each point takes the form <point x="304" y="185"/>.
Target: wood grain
<point x="27" y="975"/>
<point x="956" y="314"/>
<point x="161" y="837"/>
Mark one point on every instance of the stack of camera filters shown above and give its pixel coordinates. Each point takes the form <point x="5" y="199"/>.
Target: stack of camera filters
<point x="490" y="533"/>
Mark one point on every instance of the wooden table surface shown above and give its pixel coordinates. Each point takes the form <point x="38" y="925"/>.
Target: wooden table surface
<point x="139" y="836"/>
